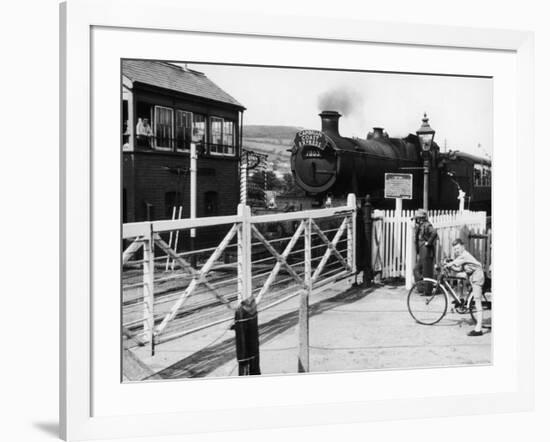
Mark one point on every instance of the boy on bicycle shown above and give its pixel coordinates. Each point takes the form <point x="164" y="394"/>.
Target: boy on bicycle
<point x="466" y="264"/>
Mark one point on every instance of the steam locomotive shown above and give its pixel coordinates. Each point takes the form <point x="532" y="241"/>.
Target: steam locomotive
<point x="324" y="163"/>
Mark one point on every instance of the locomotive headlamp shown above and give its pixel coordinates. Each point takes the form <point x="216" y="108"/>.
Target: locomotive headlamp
<point x="425" y="134"/>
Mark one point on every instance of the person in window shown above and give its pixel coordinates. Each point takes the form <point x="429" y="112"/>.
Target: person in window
<point x="125" y="135"/>
<point x="144" y="132"/>
<point x="468" y="266"/>
<point x="425" y="238"/>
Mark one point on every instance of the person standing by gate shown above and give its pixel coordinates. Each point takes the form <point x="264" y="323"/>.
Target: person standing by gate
<point x="425" y="237"/>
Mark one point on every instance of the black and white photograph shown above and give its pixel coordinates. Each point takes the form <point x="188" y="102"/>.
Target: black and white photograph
<point x="298" y="221"/>
<point x="279" y="220"/>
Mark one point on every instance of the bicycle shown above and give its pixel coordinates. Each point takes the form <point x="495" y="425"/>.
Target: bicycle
<point x="429" y="298"/>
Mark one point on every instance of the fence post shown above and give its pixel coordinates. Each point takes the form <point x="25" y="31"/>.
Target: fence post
<point x="410" y="256"/>
<point x="303" y="313"/>
<point x="244" y="252"/>
<point x="368" y="232"/>
<point x="247" y="342"/>
<point x="148" y="287"/>
<point x="244" y="179"/>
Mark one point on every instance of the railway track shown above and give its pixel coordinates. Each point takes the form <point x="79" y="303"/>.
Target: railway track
<point x="202" y="307"/>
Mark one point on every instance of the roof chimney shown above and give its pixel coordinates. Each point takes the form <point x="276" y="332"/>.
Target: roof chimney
<point x="329" y="121"/>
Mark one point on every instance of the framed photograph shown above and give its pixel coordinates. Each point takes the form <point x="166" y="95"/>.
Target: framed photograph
<point x="300" y="220"/>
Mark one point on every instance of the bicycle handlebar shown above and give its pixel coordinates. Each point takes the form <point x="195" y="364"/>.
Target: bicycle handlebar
<point x="442" y="269"/>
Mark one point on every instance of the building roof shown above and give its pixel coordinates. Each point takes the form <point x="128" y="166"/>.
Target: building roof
<point x="175" y="78"/>
<point x="470" y="157"/>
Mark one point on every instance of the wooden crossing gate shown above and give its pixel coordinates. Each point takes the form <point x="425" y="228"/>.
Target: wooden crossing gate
<point x="170" y="289"/>
<point x="271" y="258"/>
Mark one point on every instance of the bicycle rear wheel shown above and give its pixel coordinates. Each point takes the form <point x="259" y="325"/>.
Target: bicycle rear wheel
<point x="487" y="310"/>
<point x="427" y="302"/>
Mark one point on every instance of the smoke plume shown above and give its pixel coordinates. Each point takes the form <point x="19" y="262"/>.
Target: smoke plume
<point x="342" y="99"/>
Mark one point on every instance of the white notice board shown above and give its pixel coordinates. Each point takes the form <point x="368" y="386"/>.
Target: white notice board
<point x="398" y="185"/>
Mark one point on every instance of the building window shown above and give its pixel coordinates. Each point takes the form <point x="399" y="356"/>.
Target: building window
<point x="125" y="125"/>
<point x="482" y="175"/>
<point x="486" y="176"/>
<point x="229" y="137"/>
<point x="171" y="200"/>
<point x="124" y="206"/>
<point x="199" y="128"/>
<point x="216" y="138"/>
<point x="144" y="131"/>
<point x="183" y="130"/>
<point x="211" y="203"/>
<point x="163" y="127"/>
<point x="222" y="141"/>
<point x="477" y="174"/>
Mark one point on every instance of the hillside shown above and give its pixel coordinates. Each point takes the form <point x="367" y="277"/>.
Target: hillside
<point x="275" y="141"/>
<point x="264" y="131"/>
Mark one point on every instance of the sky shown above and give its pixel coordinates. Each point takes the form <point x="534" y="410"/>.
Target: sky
<point x="460" y="109"/>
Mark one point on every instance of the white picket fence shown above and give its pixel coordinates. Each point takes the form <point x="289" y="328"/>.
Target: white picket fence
<point x="393" y="247"/>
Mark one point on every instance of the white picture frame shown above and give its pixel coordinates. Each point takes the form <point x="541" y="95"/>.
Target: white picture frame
<point x="79" y="378"/>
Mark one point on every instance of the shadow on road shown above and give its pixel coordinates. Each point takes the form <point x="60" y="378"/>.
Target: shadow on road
<point x="206" y="360"/>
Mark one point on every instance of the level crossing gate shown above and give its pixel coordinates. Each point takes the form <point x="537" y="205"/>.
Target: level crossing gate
<point x="170" y="289"/>
<point x="270" y="258"/>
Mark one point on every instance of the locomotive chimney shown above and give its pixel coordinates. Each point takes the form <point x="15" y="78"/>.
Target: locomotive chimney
<point x="377" y="133"/>
<point x="329" y="121"/>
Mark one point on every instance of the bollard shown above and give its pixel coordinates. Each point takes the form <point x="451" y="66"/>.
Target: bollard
<point x="247" y="340"/>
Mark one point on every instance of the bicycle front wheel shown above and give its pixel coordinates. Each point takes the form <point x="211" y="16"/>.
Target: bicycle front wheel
<point x="427" y="302"/>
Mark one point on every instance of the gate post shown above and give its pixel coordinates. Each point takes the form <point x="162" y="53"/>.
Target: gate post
<point x="410" y="255"/>
<point x="368" y="273"/>
<point x="247" y="341"/>
<point x="303" y="313"/>
<point x="148" y="287"/>
<point x="244" y="252"/>
<point x="244" y="178"/>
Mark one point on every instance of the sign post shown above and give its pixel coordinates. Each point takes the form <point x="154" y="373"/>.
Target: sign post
<point x="398" y="186"/>
<point x="398" y="205"/>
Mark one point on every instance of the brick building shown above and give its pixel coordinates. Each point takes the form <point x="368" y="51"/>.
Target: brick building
<point x="165" y="107"/>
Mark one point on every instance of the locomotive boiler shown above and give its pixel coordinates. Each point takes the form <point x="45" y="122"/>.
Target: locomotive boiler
<point x="325" y="163"/>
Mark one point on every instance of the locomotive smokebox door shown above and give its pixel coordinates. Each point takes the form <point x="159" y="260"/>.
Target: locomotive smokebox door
<point x="314" y="161"/>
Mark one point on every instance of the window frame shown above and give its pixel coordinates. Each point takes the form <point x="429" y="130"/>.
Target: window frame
<point x="484" y="179"/>
<point x="215" y="199"/>
<point x="205" y="136"/>
<point x="171" y="138"/>
<point x="477" y="180"/>
<point x="233" y="142"/>
<point x="223" y="145"/>
<point x="211" y="143"/>
<point x="486" y="175"/>
<point x="176" y="149"/>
